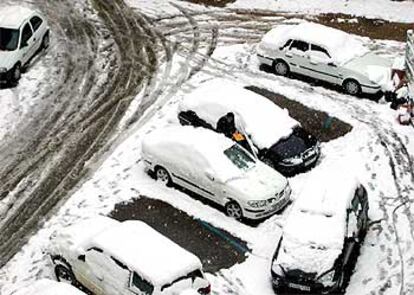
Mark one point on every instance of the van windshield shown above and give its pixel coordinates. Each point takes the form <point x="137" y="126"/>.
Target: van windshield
<point x="9" y="39"/>
<point x="192" y="275"/>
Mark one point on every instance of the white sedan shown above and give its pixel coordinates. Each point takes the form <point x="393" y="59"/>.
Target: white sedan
<point x="22" y="33"/>
<point x="326" y="54"/>
<point x="216" y="168"/>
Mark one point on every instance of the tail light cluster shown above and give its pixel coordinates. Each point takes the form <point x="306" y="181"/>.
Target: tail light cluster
<point x="205" y="291"/>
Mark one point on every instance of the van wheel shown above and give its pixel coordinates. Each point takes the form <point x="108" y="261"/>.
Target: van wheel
<point x="234" y="210"/>
<point x="162" y="175"/>
<point x="65" y="275"/>
<point x="281" y="68"/>
<point x="46" y="41"/>
<point x="352" y="87"/>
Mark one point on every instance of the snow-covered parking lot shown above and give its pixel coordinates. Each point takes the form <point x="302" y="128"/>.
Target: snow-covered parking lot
<point x="199" y="44"/>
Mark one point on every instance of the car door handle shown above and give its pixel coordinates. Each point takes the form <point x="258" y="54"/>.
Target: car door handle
<point x="290" y="55"/>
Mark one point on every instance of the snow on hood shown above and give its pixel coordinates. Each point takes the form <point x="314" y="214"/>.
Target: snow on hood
<point x="376" y="68"/>
<point x="48" y="287"/>
<point x="342" y="46"/>
<point x="259" y="183"/>
<point x="260" y="118"/>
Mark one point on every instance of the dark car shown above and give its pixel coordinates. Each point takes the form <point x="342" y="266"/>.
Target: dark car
<point x="255" y="122"/>
<point x="321" y="239"/>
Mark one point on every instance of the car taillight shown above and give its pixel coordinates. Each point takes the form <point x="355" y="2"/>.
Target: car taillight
<point x="205" y="291"/>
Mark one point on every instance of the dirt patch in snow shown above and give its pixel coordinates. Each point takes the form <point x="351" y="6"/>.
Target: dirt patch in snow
<point x="320" y="124"/>
<point x="216" y="248"/>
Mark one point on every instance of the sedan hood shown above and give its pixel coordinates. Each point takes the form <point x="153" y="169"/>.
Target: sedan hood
<point x="7" y="59"/>
<point x="376" y="68"/>
<point x="259" y="183"/>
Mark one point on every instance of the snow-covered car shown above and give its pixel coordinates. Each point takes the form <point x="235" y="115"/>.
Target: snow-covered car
<point x="277" y="139"/>
<point x="48" y="287"/>
<point x="326" y="54"/>
<point x="321" y="236"/>
<point x="216" y="168"/>
<point x="23" y="32"/>
<point x="110" y="257"/>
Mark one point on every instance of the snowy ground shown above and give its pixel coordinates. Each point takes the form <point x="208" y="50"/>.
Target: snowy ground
<point x="379" y="151"/>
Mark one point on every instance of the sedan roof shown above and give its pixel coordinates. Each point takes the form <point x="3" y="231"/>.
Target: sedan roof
<point x="155" y="257"/>
<point x="262" y="120"/>
<point x="12" y="17"/>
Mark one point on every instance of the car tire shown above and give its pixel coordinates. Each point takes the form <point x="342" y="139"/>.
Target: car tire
<point x="281" y="68"/>
<point x="46" y="41"/>
<point x="352" y="87"/>
<point x="162" y="175"/>
<point x="234" y="210"/>
<point x="15" y="74"/>
<point x="64" y="274"/>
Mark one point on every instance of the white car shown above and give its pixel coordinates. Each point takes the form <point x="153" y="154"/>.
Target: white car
<point x="109" y="257"/>
<point x="23" y="32"/>
<point x="326" y="54"/>
<point x="322" y="235"/>
<point x="48" y="287"/>
<point x="277" y="139"/>
<point x="216" y="168"/>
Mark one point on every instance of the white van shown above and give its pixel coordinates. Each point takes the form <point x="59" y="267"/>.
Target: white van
<point x="109" y="257"/>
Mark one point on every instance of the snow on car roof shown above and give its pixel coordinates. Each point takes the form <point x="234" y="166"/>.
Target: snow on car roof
<point x="13" y="16"/>
<point x="143" y="249"/>
<point x="315" y="228"/>
<point x="181" y="143"/>
<point x="48" y="287"/>
<point x="262" y="120"/>
<point x="341" y="45"/>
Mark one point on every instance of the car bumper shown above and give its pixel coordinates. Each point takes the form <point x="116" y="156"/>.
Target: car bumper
<point x="5" y="77"/>
<point x="307" y="164"/>
<point x="259" y="213"/>
<point x="265" y="60"/>
<point x="281" y="286"/>
<point x="371" y="89"/>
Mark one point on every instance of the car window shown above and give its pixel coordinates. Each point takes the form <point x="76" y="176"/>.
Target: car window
<point x="286" y="44"/>
<point x="355" y="203"/>
<point x="26" y="33"/>
<point x="320" y="49"/>
<point x="192" y="275"/>
<point x="9" y="38"/>
<point x="239" y="157"/>
<point x="299" y="45"/>
<point x="36" y="22"/>
<point x="142" y="285"/>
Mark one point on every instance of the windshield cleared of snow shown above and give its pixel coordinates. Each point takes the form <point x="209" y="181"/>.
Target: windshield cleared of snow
<point x="239" y="157"/>
<point x="8" y="39"/>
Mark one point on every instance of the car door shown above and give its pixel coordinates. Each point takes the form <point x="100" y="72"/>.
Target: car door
<point x="26" y="43"/>
<point x="38" y="32"/>
<point x="296" y="56"/>
<point x="139" y="286"/>
<point x="89" y="270"/>
<point x="321" y="65"/>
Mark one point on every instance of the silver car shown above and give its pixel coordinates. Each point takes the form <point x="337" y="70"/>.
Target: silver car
<point x="325" y="54"/>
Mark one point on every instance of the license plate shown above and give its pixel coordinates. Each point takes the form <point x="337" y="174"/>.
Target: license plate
<point x="299" y="287"/>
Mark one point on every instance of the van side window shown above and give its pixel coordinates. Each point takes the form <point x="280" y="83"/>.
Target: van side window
<point x="36" y="22"/>
<point x="140" y="284"/>
<point x="26" y="33"/>
<point x="299" y="45"/>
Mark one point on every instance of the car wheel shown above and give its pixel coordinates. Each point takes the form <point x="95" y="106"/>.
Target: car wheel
<point x="16" y="73"/>
<point x="234" y="210"/>
<point x="46" y="41"/>
<point x="65" y="275"/>
<point x="162" y="175"/>
<point x="352" y="87"/>
<point x="281" y="68"/>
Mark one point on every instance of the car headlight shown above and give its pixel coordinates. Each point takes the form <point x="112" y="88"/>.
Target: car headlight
<point x="292" y="161"/>
<point x="327" y="278"/>
<point x="257" y="204"/>
<point x="3" y="70"/>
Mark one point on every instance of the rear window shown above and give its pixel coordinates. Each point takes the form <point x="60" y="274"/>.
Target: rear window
<point x="239" y="157"/>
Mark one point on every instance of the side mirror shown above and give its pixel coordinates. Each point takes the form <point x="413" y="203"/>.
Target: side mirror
<point x="82" y="257"/>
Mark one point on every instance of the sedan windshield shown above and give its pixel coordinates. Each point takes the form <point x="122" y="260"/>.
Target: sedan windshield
<point x="9" y="39"/>
<point x="239" y="157"/>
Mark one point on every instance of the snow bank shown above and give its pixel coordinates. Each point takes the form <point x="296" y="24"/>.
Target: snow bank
<point x="262" y="120"/>
<point x="341" y="46"/>
<point x="155" y="257"/>
<point x="48" y="287"/>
